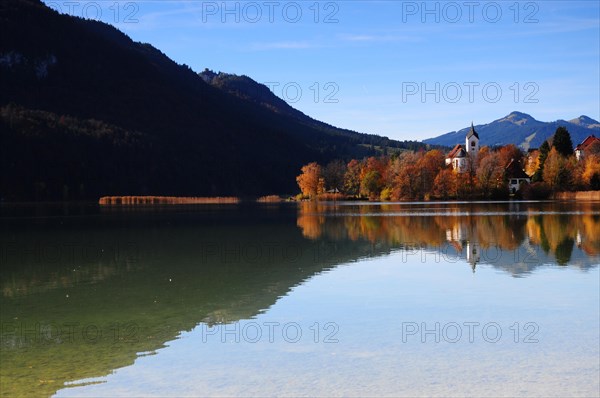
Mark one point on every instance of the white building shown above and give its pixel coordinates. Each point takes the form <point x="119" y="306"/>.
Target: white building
<point x="472" y="143"/>
<point x="515" y="176"/>
<point x="460" y="156"/>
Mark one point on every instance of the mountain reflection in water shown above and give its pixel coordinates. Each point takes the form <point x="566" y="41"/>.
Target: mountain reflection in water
<point x="84" y="292"/>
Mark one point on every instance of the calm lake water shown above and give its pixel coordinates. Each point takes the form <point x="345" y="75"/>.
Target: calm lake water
<point x="414" y="299"/>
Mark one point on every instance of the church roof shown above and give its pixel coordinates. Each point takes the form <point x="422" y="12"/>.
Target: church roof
<point x="514" y="170"/>
<point x="457" y="152"/>
<point x="472" y="132"/>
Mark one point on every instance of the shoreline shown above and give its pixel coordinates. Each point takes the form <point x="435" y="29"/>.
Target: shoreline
<point x="127" y="200"/>
<point x="577" y="195"/>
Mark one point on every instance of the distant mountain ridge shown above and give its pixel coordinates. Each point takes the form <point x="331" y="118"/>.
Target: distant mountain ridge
<point x="522" y="130"/>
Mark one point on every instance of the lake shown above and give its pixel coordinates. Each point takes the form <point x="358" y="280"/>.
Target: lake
<point x="301" y="299"/>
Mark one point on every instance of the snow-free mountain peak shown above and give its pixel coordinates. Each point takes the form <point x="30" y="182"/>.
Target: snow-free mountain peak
<point x="522" y="130"/>
<point x="518" y="118"/>
<point x="585" y="121"/>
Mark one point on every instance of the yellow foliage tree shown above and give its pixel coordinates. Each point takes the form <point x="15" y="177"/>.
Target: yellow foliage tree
<point x="591" y="169"/>
<point x="558" y="171"/>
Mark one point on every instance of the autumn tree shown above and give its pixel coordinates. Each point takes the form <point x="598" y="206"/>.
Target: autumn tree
<point x="429" y="166"/>
<point x="390" y="171"/>
<point x="562" y="142"/>
<point x="444" y="185"/>
<point x="532" y="163"/>
<point x="464" y="185"/>
<point x="591" y="171"/>
<point x="371" y="177"/>
<point x="311" y="181"/>
<point x="591" y="168"/>
<point x="556" y="171"/>
<point x="407" y="182"/>
<point x="374" y="164"/>
<point x="370" y="184"/>
<point x="490" y="173"/>
<point x="483" y="153"/>
<point x="352" y="178"/>
<point x="508" y="153"/>
<point x="334" y="174"/>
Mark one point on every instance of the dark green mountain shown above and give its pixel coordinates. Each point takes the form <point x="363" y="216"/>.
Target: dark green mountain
<point x="522" y="130"/>
<point x="248" y="89"/>
<point x="86" y="112"/>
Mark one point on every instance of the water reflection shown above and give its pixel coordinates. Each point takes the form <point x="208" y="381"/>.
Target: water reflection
<point x="515" y="237"/>
<point x="87" y="292"/>
<point x="82" y="296"/>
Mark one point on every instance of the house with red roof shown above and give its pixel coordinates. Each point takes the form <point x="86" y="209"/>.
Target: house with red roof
<point x="585" y="145"/>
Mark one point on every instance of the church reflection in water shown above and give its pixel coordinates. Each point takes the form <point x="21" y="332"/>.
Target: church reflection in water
<point x="517" y="237"/>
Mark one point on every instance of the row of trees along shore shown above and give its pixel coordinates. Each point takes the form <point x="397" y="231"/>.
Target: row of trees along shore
<point x="424" y="175"/>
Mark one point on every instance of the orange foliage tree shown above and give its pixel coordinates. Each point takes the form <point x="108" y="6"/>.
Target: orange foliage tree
<point x="431" y="164"/>
<point x="311" y="181"/>
<point x="591" y="171"/>
<point x="508" y="153"/>
<point x="406" y="182"/>
<point x="444" y="185"/>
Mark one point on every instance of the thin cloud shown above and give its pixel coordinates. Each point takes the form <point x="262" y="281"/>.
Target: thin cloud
<point x="377" y="38"/>
<point x="282" y="45"/>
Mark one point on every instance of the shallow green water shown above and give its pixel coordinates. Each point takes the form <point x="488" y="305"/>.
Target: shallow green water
<point x="464" y="299"/>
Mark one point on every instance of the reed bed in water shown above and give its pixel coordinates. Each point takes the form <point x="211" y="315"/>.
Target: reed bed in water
<point x="164" y="200"/>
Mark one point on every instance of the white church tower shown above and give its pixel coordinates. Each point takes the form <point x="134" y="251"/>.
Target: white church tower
<point x="472" y="143"/>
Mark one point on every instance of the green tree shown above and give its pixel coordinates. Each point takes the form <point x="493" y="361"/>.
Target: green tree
<point x="562" y="142"/>
<point x="371" y="184"/>
<point x="334" y="174"/>
<point x="352" y="177"/>
<point x="544" y="150"/>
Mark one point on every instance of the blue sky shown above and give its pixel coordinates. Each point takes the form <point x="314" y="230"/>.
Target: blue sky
<point x="404" y="69"/>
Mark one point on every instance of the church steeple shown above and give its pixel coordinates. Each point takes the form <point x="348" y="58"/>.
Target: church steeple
<point x="472" y="142"/>
<point x="472" y="132"/>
